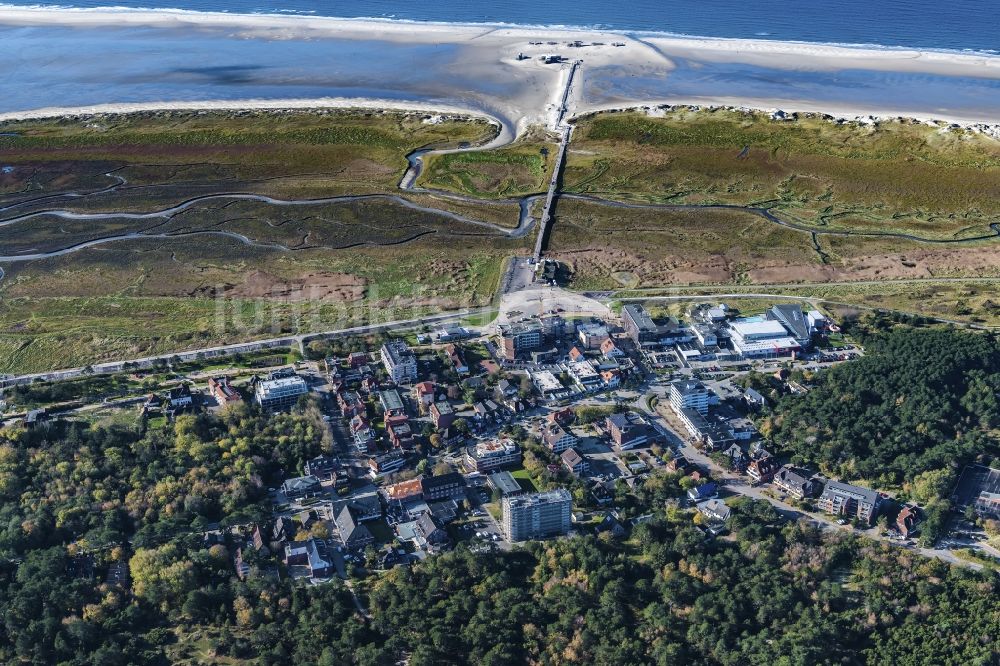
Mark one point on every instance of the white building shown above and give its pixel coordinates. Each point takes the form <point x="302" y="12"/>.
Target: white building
<point x="585" y="375"/>
<point x="537" y="515"/>
<point x="548" y="385"/>
<point x="399" y="362"/>
<point x="762" y="339"/>
<point x="817" y="321"/>
<point x="690" y="395"/>
<point x="492" y="454"/>
<point x="281" y="393"/>
<point x="557" y="438"/>
<point x="706" y="335"/>
<point x="592" y="336"/>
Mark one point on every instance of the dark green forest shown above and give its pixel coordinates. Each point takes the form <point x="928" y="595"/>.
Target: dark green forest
<point x="920" y="404"/>
<point x="772" y="593"/>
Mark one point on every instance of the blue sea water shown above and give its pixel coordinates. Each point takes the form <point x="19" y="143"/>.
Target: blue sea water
<point x="55" y="64"/>
<point x="952" y="25"/>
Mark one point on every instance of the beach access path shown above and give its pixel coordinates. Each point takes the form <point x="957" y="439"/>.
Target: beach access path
<point x="566" y="132"/>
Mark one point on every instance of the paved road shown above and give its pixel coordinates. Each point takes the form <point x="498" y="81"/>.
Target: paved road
<point x="739" y="485"/>
<point x="238" y="348"/>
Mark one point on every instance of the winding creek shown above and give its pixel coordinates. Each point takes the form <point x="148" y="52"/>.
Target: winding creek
<point x="407" y="184"/>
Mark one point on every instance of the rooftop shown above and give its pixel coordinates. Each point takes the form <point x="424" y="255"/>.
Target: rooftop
<point x="397" y="351"/>
<point x="505" y="483"/>
<point x="640" y="317"/>
<point x="750" y="330"/>
<point x="551" y="496"/>
<point x="854" y="492"/>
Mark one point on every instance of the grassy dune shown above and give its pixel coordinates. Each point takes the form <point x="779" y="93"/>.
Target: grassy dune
<point x="611" y="247"/>
<point x="908" y="177"/>
<point x="516" y="170"/>
<point x="340" y="264"/>
<point x="292" y="154"/>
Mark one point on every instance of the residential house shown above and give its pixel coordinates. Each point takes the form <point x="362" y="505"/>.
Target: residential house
<point x="357" y="360"/>
<point x="737" y="458"/>
<point x="703" y="492"/>
<point x="242" y="568"/>
<point x="321" y="466"/>
<point x="612" y="379"/>
<point x="364" y="508"/>
<point x="370" y="384"/>
<point x="610" y="523"/>
<point x="400" y="363"/>
<point x="442" y="414"/>
<point x="423" y="395"/>
<point x="443" y="486"/>
<point x="576" y="463"/>
<point x="793" y="482"/>
<point x="36" y="416"/>
<point x="715" y="509"/>
<point x="486" y="411"/>
<point x="492" y="454"/>
<point x="223" y="391"/>
<point x="907" y="519"/>
<point x="180" y="397"/>
<point x="754" y="399"/>
<point x="557" y="438"/>
<point x="301" y="487"/>
<point x="563" y="417"/>
<point x="457" y="359"/>
<point x="351" y="404"/>
<point x="311" y="554"/>
<point x="843" y="499"/>
<point x="430" y="533"/>
<point x="506" y="389"/>
<point x="324" y="468"/>
<point x="363" y="434"/>
<point x="398" y="429"/>
<point x="353" y="534"/>
<point x="610" y="350"/>
<point x="386" y="463"/>
<point x="680" y="464"/>
<point x="284" y="530"/>
<point x="762" y="469"/>
<point x="576" y="355"/>
<point x="629" y="430"/>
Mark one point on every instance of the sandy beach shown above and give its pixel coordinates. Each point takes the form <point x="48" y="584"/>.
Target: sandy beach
<point x="499" y="72"/>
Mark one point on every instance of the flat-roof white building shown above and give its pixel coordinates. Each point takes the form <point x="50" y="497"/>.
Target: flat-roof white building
<point x="281" y="393"/>
<point x="399" y="361"/>
<point x="584" y="374"/>
<point x="547" y="384"/>
<point x="690" y="395"/>
<point x="537" y="515"/>
<point x="759" y="339"/>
